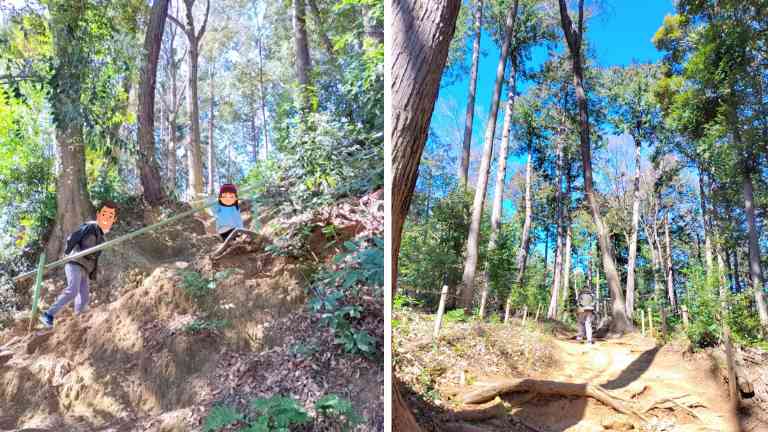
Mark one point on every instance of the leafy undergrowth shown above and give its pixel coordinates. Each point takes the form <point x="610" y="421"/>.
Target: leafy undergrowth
<point x="464" y="350"/>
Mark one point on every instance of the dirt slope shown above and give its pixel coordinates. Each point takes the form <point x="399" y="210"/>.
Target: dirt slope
<point x="633" y="369"/>
<point x="128" y="364"/>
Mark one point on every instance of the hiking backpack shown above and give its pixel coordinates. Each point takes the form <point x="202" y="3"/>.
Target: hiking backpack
<point x="587" y="301"/>
<point x="76" y="237"/>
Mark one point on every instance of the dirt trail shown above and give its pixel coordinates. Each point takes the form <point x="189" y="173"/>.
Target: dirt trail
<point x="634" y="368"/>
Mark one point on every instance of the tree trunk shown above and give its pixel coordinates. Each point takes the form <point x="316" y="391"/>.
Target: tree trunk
<point x="655" y="259"/>
<point x="301" y="46"/>
<point x="473" y="239"/>
<point x="211" y="143"/>
<point x="149" y="172"/>
<point x="525" y="237"/>
<point x="501" y="173"/>
<point x="73" y="206"/>
<point x="470" y="115"/>
<point x="706" y="223"/>
<point x="619" y="324"/>
<point x="326" y="41"/>
<point x="421" y="31"/>
<point x="736" y="277"/>
<point x="263" y="96"/>
<point x="194" y="152"/>
<point x="755" y="271"/>
<point x="566" y="272"/>
<point x="632" y="259"/>
<point x="558" y="263"/>
<point x="670" y="275"/>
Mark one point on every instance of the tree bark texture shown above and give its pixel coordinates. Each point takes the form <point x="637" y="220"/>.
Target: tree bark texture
<point x="619" y="324"/>
<point x="149" y="171"/>
<point x="558" y="262"/>
<point x="470" y="115"/>
<point x="421" y="33"/>
<point x="473" y="239"/>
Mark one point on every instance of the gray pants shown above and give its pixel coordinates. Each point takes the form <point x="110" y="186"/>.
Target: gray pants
<point x="585" y="324"/>
<point x="77" y="289"/>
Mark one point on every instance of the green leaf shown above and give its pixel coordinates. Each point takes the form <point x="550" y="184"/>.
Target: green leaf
<point x="219" y="417"/>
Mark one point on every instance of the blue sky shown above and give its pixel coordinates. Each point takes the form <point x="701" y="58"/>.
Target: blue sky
<point x="618" y="34"/>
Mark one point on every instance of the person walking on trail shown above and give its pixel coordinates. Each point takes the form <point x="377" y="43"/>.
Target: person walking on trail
<point x="227" y="211"/>
<point x="81" y="269"/>
<point x="586" y="311"/>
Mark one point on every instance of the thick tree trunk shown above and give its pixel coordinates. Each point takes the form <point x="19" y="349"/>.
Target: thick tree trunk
<point x="149" y="172"/>
<point x="470" y="115"/>
<point x="301" y="47"/>
<point x="172" y="143"/>
<point x="211" y="142"/>
<point x="651" y="236"/>
<point x="632" y="259"/>
<point x="670" y="274"/>
<point x="421" y="31"/>
<point x="619" y="324"/>
<point x="755" y="271"/>
<point x="525" y="237"/>
<point x="73" y="206"/>
<point x="501" y="173"/>
<point x="473" y="239"/>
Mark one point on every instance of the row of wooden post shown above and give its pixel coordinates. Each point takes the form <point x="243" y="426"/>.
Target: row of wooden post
<point x="441" y="312"/>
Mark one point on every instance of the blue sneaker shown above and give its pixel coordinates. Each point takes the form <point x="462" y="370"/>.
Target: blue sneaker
<point x="46" y="320"/>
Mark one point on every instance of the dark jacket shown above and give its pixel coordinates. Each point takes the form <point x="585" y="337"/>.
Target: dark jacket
<point x="94" y="237"/>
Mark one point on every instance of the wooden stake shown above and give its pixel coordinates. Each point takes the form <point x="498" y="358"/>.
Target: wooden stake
<point x="732" y="385"/>
<point x="686" y="323"/>
<point x="36" y="292"/>
<point x="440" y="311"/>
<point x="525" y="313"/>
<point x="650" y="322"/>
<point x="642" y="320"/>
<point x="538" y="309"/>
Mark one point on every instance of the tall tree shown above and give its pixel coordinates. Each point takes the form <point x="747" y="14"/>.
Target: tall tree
<point x="301" y="47"/>
<point x="194" y="38"/>
<point x="149" y="172"/>
<point x="574" y="35"/>
<point x="501" y="170"/>
<point x="420" y="34"/>
<point x="73" y="205"/>
<point x="211" y="130"/>
<point x="172" y="103"/>
<point x="470" y="115"/>
<point x="473" y="239"/>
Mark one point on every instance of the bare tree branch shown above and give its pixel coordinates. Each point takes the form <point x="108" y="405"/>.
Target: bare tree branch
<point x="178" y="23"/>
<point x="205" y="22"/>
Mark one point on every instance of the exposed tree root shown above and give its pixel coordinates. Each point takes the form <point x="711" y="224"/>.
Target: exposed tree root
<point x="492" y="409"/>
<point x="556" y="388"/>
<point x="671" y="402"/>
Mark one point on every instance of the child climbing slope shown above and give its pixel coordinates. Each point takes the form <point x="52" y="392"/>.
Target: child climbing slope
<point x="78" y="272"/>
<point x="227" y="211"/>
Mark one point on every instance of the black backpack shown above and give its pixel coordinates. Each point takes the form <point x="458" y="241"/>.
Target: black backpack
<point x="76" y="237"/>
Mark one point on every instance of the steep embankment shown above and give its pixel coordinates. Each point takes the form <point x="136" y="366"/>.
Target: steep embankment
<point x="547" y="381"/>
<point x="162" y="343"/>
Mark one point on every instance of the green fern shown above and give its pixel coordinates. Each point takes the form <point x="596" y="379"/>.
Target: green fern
<point x="334" y="406"/>
<point x="280" y="412"/>
<point x="221" y="416"/>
